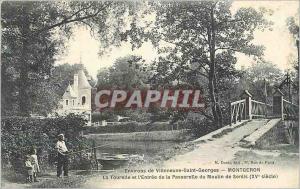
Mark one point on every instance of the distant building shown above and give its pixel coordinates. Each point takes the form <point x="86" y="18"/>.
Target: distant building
<point x="77" y="97"/>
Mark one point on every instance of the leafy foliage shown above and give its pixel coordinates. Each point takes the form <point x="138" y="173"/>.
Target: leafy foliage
<point x="33" y="34"/>
<point x="293" y="26"/>
<point x="27" y="56"/>
<point x="126" y="73"/>
<point x="201" y="38"/>
<point x="20" y="134"/>
<point x="261" y="79"/>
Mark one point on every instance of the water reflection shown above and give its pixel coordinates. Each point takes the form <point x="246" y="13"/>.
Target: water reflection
<point x="147" y="149"/>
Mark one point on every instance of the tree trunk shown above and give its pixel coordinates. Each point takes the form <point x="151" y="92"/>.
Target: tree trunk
<point x="218" y="107"/>
<point x="23" y="93"/>
<point x="23" y="97"/>
<point x="212" y="72"/>
<point x="213" y="96"/>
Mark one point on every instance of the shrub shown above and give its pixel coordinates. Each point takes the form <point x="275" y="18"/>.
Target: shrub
<point x="20" y="134"/>
<point x="105" y="115"/>
<point x="138" y="115"/>
<point x="128" y="127"/>
<point x="199" y="125"/>
<point x="111" y="115"/>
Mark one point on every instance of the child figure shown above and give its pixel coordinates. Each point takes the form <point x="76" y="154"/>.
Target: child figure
<point x="29" y="168"/>
<point x="35" y="164"/>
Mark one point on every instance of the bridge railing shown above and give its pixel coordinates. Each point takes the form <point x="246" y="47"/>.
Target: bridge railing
<point x="237" y="111"/>
<point x="248" y="109"/>
<point x="290" y="110"/>
<point x="284" y="109"/>
<point x="260" y="109"/>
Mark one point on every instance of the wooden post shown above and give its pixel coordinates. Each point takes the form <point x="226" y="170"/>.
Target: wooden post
<point x="278" y="104"/>
<point x="240" y="113"/>
<point x="245" y="112"/>
<point x="230" y="114"/>
<point x="95" y="154"/>
<point x="248" y="105"/>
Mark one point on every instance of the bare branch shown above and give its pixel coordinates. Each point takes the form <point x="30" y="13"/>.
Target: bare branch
<point x="202" y="74"/>
<point x="227" y="48"/>
<point x="77" y="12"/>
<point x="69" y="20"/>
<point x="90" y="26"/>
<point x="229" y="21"/>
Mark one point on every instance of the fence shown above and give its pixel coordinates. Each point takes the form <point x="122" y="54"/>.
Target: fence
<point x="237" y="110"/>
<point x="290" y="110"/>
<point x="248" y="108"/>
<point x="260" y="109"/>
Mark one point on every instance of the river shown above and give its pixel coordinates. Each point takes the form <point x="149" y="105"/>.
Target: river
<point x="144" y="150"/>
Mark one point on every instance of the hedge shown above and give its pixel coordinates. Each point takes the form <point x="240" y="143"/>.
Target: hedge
<point x="133" y="126"/>
<point x="20" y="134"/>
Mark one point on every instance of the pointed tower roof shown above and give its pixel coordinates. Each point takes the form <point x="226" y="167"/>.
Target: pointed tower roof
<point x="82" y="81"/>
<point x="245" y="94"/>
<point x="69" y="93"/>
<point x="277" y="92"/>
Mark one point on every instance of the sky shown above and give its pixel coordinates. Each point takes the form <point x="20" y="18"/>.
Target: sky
<point x="279" y="44"/>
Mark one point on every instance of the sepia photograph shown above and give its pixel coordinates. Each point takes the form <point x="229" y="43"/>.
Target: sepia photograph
<point x="150" y="94"/>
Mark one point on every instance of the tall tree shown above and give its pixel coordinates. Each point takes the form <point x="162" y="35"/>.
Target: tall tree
<point x="293" y="26"/>
<point x="126" y="73"/>
<point x="206" y="33"/>
<point x="261" y="78"/>
<point x="34" y="32"/>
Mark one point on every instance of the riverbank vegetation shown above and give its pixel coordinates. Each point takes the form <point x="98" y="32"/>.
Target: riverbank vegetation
<point x="21" y="134"/>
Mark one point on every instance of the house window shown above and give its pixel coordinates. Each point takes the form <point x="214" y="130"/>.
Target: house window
<point x="67" y="102"/>
<point x="83" y="100"/>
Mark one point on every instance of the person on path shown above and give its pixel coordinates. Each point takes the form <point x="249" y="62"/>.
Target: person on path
<point x="62" y="156"/>
<point x="35" y="164"/>
<point x="29" y="169"/>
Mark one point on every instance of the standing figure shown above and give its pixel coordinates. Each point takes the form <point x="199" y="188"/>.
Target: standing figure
<point x="35" y="164"/>
<point x="62" y="156"/>
<point x="29" y="168"/>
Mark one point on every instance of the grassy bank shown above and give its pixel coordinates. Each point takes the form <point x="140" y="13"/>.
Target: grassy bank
<point x="129" y="127"/>
<point x="175" y="135"/>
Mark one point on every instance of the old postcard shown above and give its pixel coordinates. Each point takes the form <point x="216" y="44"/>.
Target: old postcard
<point x="150" y="94"/>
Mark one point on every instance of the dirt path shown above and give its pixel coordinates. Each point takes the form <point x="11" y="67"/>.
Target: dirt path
<point x="50" y="180"/>
<point x="216" y="153"/>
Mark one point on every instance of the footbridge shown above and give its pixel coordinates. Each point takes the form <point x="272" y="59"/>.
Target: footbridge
<point x="281" y="115"/>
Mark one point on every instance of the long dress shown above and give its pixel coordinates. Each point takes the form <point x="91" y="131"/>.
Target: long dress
<point x="29" y="167"/>
<point x="35" y="163"/>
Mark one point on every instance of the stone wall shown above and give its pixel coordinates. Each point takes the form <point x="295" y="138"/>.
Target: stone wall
<point x="275" y="135"/>
<point x="274" y="132"/>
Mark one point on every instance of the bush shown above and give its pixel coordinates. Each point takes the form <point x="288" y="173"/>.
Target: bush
<point x="128" y="127"/>
<point x="20" y="134"/>
<point x="110" y="115"/>
<point x="199" y="125"/>
<point x="105" y="115"/>
<point x="137" y="115"/>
